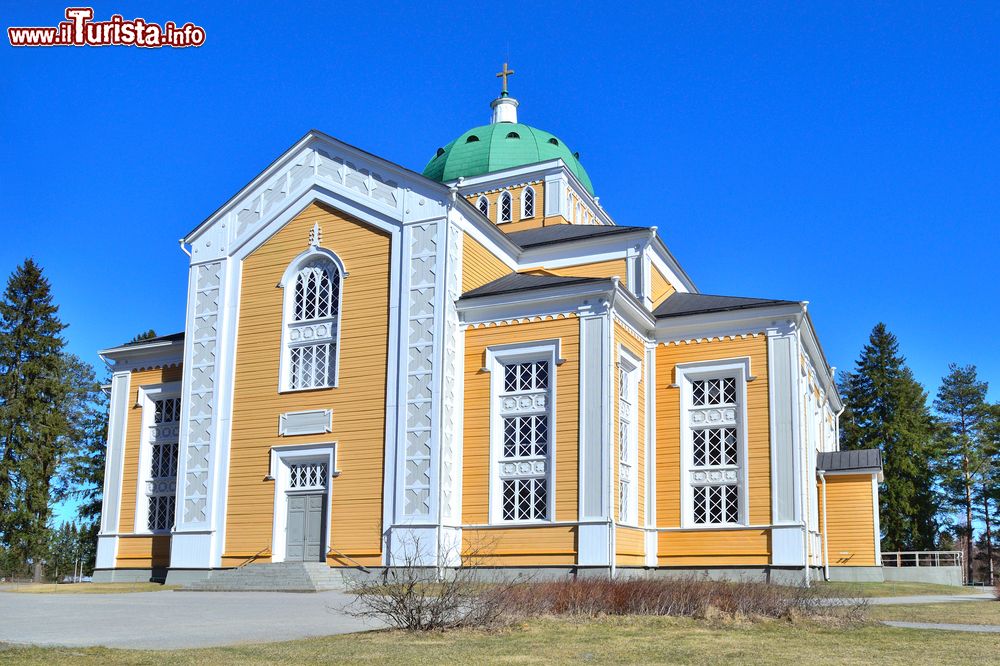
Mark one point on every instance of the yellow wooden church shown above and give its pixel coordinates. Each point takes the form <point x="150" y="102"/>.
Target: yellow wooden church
<point x="383" y="367"/>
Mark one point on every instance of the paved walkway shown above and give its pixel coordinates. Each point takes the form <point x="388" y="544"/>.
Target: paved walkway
<point x="932" y="598"/>
<point x="169" y="620"/>
<point x="975" y="628"/>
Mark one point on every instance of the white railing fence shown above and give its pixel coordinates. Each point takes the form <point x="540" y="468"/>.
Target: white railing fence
<point x="923" y="558"/>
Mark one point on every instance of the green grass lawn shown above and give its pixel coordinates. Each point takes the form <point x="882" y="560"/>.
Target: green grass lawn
<point x="647" y="640"/>
<point x="85" y="588"/>
<point x="893" y="589"/>
<point x="968" y="612"/>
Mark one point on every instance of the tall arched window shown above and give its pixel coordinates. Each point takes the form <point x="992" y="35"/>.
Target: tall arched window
<point x="528" y="202"/>
<point x="506" y="208"/>
<point x="312" y="322"/>
<point x="483" y="204"/>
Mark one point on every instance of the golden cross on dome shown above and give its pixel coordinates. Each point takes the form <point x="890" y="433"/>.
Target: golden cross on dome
<point x="503" y="75"/>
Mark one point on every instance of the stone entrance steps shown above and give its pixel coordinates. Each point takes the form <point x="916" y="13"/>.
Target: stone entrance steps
<point x="279" y="577"/>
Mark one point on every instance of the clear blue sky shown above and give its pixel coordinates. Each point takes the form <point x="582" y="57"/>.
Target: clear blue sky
<point x="849" y="156"/>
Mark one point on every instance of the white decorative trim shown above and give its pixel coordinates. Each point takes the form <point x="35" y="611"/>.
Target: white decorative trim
<point x="199" y="423"/>
<point x="308" y="422"/>
<point x="419" y="445"/>
<point x="288" y="304"/>
<point x="632" y="368"/>
<point x="118" y="409"/>
<point x="146" y="397"/>
<point x="280" y="459"/>
<point x="452" y="379"/>
<point x="496" y="357"/>
<point x="685" y="373"/>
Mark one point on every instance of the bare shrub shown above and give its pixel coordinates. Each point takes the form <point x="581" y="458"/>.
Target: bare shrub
<point x="682" y="597"/>
<point x="414" y="596"/>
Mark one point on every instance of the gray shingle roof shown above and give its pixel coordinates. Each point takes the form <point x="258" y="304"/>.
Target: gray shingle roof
<point x="843" y="461"/>
<point x="173" y="337"/>
<point x="522" y="281"/>
<point x="558" y="233"/>
<point x="686" y="304"/>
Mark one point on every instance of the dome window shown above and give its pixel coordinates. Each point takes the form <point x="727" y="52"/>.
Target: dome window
<point x="506" y="208"/>
<point x="439" y="153"/>
<point x="513" y="135"/>
<point x="554" y="141"/>
<point x="528" y="202"/>
<point x="472" y="138"/>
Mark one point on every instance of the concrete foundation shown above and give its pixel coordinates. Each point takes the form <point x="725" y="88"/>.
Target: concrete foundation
<point x="856" y="574"/>
<point x="185" y="576"/>
<point x="939" y="575"/>
<point x="155" y="575"/>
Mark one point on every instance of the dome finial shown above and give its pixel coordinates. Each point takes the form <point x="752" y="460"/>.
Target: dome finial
<point x="503" y="74"/>
<point x="504" y="107"/>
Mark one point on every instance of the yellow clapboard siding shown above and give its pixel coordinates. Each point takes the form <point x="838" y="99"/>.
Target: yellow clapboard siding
<point x="476" y="455"/>
<point x="358" y="402"/>
<point x="714" y="547"/>
<point x="519" y="546"/>
<point x="133" y="440"/>
<point x="850" y="522"/>
<point x="143" y="552"/>
<point x="600" y="269"/>
<point x="638" y="349"/>
<point x="479" y="265"/>
<point x="660" y="287"/>
<point x="630" y="546"/>
<point x="668" y="463"/>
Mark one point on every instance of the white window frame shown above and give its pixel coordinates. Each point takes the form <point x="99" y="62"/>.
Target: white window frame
<point x="686" y="373"/>
<point x="505" y="196"/>
<point x="632" y="368"/>
<point x="287" y="284"/>
<point x="280" y="472"/>
<point x="496" y="358"/>
<point x="534" y="202"/>
<point x="479" y="205"/>
<point x="146" y="397"/>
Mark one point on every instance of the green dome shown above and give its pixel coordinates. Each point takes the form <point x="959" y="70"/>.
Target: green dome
<point x="500" y="146"/>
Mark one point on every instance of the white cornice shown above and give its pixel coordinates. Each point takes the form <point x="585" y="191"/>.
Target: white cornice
<point x="157" y="353"/>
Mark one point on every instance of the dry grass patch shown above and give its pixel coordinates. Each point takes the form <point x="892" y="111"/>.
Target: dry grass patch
<point x="87" y="588"/>
<point x="888" y="589"/>
<point x="607" y="640"/>
<point x="959" y="612"/>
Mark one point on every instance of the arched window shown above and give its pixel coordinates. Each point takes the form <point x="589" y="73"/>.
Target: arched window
<point x="506" y="207"/>
<point x="528" y="202"/>
<point x="483" y="204"/>
<point x="312" y="321"/>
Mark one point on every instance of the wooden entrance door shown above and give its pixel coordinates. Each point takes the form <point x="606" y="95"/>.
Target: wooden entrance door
<point x="304" y="531"/>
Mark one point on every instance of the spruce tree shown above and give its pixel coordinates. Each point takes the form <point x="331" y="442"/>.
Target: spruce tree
<point x="961" y="404"/>
<point x="886" y="409"/>
<point x="32" y="388"/>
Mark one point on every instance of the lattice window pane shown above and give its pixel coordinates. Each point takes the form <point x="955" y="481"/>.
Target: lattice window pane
<point x="713" y="392"/>
<point x="623" y="501"/>
<point x="529" y="203"/>
<point x="167" y="410"/>
<point x="161" y="513"/>
<point x="317" y="292"/>
<point x="506" y="207"/>
<point x="163" y="461"/>
<point x="307" y="475"/>
<point x="484" y="206"/>
<point x="524" y="499"/>
<point x="716" y="505"/>
<point x="525" y="436"/>
<point x="311" y="366"/>
<point x="531" y="376"/>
